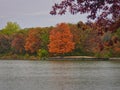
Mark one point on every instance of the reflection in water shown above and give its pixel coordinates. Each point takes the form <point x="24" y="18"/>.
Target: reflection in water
<point x="59" y="75"/>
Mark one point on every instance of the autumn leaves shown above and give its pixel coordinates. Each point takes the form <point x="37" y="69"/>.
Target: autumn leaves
<point x="61" y="39"/>
<point x="33" y="41"/>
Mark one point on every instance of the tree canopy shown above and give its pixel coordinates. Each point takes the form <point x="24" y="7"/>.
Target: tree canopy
<point x="61" y="39"/>
<point x="11" y="28"/>
<point x="106" y="12"/>
<point x="93" y="7"/>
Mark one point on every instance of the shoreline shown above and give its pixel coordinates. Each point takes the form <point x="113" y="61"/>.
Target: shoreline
<point x="66" y="58"/>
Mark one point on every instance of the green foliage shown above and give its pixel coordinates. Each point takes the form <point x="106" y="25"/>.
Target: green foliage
<point x="44" y="37"/>
<point x="42" y="53"/>
<point x="107" y="55"/>
<point x="27" y="55"/>
<point x="117" y="33"/>
<point x="4" y="44"/>
<point x="10" y="28"/>
<point x="104" y="54"/>
<point x="98" y="55"/>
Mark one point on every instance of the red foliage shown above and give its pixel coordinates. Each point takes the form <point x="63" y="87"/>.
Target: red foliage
<point x="18" y="43"/>
<point x="61" y="39"/>
<point x="107" y="12"/>
<point x="107" y="7"/>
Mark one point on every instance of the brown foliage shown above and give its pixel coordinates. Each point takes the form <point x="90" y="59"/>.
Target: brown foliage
<point x="18" y="43"/>
<point x="92" y="42"/>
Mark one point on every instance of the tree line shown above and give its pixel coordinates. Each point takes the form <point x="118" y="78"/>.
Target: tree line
<point x="64" y="39"/>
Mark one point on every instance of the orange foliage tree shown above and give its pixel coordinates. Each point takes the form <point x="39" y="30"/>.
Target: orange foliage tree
<point x="33" y="40"/>
<point x="61" y="39"/>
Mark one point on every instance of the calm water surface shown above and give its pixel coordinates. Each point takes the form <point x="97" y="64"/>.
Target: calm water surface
<point x="59" y="75"/>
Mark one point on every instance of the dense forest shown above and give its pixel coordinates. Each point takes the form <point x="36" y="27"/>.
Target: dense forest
<point x="64" y="39"/>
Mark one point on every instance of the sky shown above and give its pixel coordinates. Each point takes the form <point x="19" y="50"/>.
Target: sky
<point x="33" y="13"/>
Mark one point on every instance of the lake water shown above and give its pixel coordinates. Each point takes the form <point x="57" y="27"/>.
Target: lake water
<point x="59" y="75"/>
